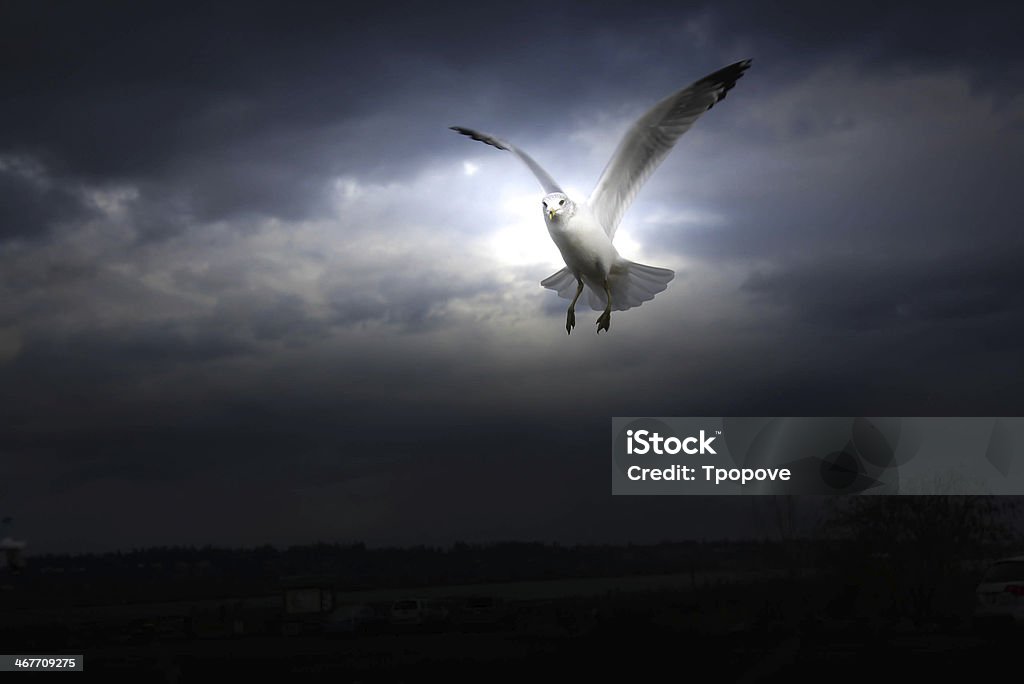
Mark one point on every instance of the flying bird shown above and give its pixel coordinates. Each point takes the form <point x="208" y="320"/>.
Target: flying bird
<point x="584" y="231"/>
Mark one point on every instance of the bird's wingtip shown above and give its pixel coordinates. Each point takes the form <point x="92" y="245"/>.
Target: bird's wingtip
<point x="462" y="130"/>
<point x="481" y="137"/>
<point x="725" y="79"/>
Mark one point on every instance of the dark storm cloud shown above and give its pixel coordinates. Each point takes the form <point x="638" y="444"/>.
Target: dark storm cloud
<point x="245" y="109"/>
<point x="239" y="108"/>
<point x="131" y="350"/>
<point x="411" y="302"/>
<point x="31" y="205"/>
<point x="879" y="35"/>
<point x="247" y="292"/>
<point x="863" y="294"/>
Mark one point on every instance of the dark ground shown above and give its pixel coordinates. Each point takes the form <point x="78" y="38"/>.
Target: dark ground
<point x="620" y="649"/>
<point x="752" y="630"/>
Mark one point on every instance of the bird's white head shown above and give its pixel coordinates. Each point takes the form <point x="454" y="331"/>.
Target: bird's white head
<point x="557" y="206"/>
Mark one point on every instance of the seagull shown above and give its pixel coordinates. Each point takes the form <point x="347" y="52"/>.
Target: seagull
<point x="584" y="231"/>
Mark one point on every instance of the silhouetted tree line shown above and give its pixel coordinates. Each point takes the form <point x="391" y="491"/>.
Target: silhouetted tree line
<point x="172" y="572"/>
<point x="917" y="555"/>
<point x="906" y="556"/>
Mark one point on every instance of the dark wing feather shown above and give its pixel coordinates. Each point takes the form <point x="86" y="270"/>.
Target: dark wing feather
<point x="546" y="181"/>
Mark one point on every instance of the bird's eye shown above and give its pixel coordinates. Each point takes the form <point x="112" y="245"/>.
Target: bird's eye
<point x="561" y="202"/>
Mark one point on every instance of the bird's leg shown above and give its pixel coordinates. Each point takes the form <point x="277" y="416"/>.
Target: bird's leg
<point x="606" y="318"/>
<point x="570" y="316"/>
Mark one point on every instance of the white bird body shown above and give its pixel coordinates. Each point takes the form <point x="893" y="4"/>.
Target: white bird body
<point x="584" y="231"/>
<point x="586" y="249"/>
<point x="591" y="258"/>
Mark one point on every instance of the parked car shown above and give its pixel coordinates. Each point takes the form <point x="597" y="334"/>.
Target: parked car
<point x="352" y="619"/>
<point x="483" y="612"/>
<point x="418" y="612"/>
<point x="1000" y="595"/>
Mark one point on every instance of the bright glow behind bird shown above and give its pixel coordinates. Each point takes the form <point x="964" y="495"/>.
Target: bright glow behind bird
<point x="519" y="242"/>
<point x="583" y="231"/>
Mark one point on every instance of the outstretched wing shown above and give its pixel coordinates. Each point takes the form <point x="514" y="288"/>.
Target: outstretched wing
<point x="545" y="180"/>
<point x="651" y="138"/>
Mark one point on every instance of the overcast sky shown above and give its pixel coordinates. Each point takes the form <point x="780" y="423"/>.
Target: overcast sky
<point x="253" y="289"/>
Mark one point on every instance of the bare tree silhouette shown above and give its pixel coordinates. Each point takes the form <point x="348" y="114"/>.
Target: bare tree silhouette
<point x="920" y="545"/>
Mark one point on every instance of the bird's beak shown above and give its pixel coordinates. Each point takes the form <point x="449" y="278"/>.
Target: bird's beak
<point x="551" y="214"/>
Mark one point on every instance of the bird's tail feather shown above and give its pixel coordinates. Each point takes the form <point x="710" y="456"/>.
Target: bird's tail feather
<point x="563" y="282"/>
<point x="631" y="285"/>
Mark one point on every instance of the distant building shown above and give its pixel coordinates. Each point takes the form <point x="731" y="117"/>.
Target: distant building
<point x="307" y="601"/>
<point x="12" y="551"/>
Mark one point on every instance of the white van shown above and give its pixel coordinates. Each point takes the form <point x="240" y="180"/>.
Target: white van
<point x="1000" y="595"/>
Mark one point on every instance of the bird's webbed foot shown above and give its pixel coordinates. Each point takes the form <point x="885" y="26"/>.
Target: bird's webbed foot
<point x="604" y="321"/>
<point x="570" y="321"/>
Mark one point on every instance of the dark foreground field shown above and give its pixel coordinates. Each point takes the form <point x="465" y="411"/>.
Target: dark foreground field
<point x="768" y="630"/>
<point x="617" y="650"/>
